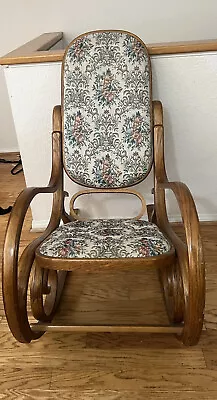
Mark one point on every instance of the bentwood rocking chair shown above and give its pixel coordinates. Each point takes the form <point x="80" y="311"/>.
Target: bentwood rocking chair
<point x="107" y="135"/>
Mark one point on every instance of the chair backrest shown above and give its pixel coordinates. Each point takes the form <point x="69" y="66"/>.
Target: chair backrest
<point x="106" y="110"/>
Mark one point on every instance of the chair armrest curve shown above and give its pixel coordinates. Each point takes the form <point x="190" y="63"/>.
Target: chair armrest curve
<point x="189" y="217"/>
<point x="184" y="199"/>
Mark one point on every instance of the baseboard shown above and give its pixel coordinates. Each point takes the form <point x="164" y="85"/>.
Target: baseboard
<point x="40" y="226"/>
<point x="202" y="218"/>
<point x="9" y="151"/>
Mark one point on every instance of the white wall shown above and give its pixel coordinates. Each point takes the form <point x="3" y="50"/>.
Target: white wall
<point x="153" y="21"/>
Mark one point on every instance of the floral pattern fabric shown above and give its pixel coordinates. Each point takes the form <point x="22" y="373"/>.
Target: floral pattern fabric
<point x="107" y="116"/>
<point x="112" y="238"/>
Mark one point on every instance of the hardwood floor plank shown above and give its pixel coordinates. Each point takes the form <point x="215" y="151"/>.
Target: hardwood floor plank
<point x="64" y="360"/>
<point x="139" y="341"/>
<point x="17" y="377"/>
<point x="34" y="394"/>
<point x="127" y="377"/>
<point x="209" y="347"/>
<point x="48" y="344"/>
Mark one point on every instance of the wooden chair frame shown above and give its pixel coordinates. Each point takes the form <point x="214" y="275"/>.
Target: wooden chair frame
<point x="182" y="274"/>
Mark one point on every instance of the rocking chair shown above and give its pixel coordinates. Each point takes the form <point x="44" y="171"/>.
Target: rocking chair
<point x="107" y="135"/>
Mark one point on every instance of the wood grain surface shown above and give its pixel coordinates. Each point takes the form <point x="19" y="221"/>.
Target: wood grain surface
<point x="109" y="366"/>
<point x="36" y="51"/>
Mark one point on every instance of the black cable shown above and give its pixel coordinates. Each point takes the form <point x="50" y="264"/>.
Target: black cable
<point x="4" y="211"/>
<point x="2" y="160"/>
<point x="15" y="170"/>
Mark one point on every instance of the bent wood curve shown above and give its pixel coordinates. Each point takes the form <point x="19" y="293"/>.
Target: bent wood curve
<point x="75" y="215"/>
<point x="16" y="274"/>
<point x="190" y="254"/>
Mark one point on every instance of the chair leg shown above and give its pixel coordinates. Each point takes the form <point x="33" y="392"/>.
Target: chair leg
<point x="45" y="292"/>
<point x="172" y="287"/>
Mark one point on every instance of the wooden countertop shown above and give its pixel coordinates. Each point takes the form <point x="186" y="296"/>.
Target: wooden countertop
<point x="40" y="50"/>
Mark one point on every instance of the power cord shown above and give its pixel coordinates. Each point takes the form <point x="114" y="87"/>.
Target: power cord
<point x="14" y="171"/>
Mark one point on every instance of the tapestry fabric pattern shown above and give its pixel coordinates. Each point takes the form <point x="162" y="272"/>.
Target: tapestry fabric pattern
<point x="112" y="238"/>
<point x="107" y="133"/>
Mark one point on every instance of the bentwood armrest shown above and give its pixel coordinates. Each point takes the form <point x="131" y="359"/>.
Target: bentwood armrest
<point x="14" y="270"/>
<point x="23" y="202"/>
<point x="190" y="253"/>
<point x="187" y="210"/>
<point x="16" y="220"/>
<point x="190" y="257"/>
<point x="182" y="193"/>
<point x="184" y="199"/>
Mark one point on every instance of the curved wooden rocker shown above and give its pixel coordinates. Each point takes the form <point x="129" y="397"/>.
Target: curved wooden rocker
<point x="181" y="265"/>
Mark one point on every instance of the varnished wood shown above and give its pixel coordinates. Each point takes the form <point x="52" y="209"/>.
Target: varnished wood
<point x="184" y="47"/>
<point x="36" y="51"/>
<point x="101" y="264"/>
<point x="171" y="282"/>
<point x="132" y="192"/>
<point x="190" y="264"/>
<point x="44" y="282"/>
<point x="106" y="328"/>
<point x="16" y="274"/>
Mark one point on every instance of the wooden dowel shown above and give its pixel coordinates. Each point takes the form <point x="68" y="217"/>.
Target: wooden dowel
<point x="106" y="328"/>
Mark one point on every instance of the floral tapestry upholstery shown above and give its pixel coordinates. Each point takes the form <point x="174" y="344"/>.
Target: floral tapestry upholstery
<point x="107" y="133"/>
<point x="111" y="238"/>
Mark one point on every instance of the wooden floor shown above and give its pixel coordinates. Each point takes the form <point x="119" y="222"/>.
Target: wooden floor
<point x="110" y="366"/>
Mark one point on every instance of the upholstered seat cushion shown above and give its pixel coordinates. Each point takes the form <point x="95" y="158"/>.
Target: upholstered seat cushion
<point x="112" y="238"/>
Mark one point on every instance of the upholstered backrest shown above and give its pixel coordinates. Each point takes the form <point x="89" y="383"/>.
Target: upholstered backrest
<point x="106" y="103"/>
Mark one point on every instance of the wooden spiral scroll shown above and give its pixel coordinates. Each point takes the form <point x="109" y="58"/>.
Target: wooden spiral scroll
<point x="75" y="215"/>
<point x="172" y="286"/>
<point x="43" y="291"/>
